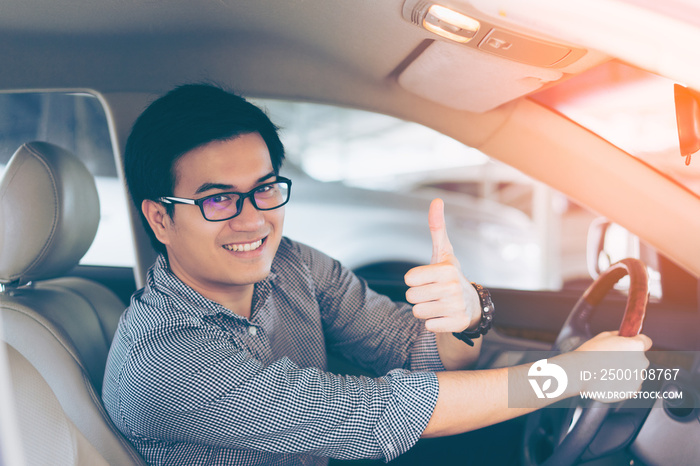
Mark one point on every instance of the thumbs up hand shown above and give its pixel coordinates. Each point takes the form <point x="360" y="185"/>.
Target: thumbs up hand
<point x="439" y="292"/>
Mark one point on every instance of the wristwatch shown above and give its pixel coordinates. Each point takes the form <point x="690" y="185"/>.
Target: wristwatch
<point x="487" y="313"/>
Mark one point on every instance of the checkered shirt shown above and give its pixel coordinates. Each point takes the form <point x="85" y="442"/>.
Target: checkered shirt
<point x="190" y="382"/>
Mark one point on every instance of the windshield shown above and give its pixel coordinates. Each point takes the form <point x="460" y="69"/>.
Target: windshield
<point x="632" y="109"/>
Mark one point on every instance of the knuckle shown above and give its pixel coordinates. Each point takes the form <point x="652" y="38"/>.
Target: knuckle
<point x="446" y="265"/>
<point x="453" y="291"/>
<point x="452" y="272"/>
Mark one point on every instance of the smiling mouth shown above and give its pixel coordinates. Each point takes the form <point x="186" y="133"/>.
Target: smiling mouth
<point x="244" y="247"/>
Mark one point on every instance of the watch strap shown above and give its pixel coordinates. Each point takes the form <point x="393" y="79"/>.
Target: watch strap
<point x="487" y="313"/>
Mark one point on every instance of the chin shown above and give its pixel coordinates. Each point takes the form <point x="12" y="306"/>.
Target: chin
<point x="251" y="277"/>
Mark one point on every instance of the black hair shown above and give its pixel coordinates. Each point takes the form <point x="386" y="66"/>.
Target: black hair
<point x="184" y="119"/>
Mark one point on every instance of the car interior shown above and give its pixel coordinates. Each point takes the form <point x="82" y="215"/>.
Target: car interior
<point x="505" y="81"/>
<point x="62" y="326"/>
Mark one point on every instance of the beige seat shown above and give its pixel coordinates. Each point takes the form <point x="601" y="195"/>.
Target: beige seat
<point x="47" y="435"/>
<point x="63" y="326"/>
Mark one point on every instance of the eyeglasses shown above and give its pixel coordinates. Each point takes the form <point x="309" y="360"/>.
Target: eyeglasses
<point x="224" y="206"/>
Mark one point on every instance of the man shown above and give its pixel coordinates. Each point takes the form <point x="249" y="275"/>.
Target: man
<point x="221" y="358"/>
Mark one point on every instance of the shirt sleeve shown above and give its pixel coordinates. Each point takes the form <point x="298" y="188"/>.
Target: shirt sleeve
<point x="368" y="328"/>
<point x="197" y="386"/>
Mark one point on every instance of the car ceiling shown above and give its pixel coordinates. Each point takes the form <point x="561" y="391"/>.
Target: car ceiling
<point x="171" y="33"/>
<point x="368" y="37"/>
<point x="360" y="54"/>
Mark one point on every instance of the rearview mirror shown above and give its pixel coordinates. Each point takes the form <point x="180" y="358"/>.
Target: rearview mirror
<point x="687" y="119"/>
<point x="608" y="243"/>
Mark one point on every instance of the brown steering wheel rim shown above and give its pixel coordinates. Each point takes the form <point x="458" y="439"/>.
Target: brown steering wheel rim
<point x="635" y="310"/>
<point x="575" y="331"/>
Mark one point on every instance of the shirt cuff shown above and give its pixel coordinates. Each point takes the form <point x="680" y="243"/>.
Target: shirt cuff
<point x="414" y="395"/>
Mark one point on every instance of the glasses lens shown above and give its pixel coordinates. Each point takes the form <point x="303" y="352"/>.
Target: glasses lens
<point x="271" y="196"/>
<point x="225" y="205"/>
<point x="220" y="207"/>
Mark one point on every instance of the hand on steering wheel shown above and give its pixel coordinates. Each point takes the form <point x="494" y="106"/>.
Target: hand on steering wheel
<point x="569" y="445"/>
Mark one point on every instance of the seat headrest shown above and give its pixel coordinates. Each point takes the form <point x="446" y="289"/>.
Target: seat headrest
<point x="49" y="212"/>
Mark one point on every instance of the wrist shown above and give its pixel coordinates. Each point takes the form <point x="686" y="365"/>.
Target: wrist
<point x="475" y="305"/>
<point x="485" y="321"/>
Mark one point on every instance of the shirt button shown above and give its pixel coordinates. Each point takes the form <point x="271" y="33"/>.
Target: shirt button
<point x="252" y="330"/>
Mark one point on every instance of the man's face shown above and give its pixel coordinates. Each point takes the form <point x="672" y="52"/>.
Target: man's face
<point x="211" y="256"/>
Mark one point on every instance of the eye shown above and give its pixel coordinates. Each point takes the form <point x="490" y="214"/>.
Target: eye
<point x="220" y="198"/>
<point x="266" y="190"/>
<point x="220" y="201"/>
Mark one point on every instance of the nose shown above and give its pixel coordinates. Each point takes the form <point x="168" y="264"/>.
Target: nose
<point x="250" y="218"/>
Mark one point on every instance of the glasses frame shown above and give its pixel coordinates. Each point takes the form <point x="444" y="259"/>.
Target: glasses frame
<point x="239" y="203"/>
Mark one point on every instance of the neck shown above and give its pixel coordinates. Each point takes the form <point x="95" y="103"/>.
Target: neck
<point x="237" y="298"/>
<point x="239" y="303"/>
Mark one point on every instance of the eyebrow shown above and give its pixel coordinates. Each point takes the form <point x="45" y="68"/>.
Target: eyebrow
<point x="229" y="187"/>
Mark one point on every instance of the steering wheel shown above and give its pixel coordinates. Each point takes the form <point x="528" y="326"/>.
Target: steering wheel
<point x="548" y="440"/>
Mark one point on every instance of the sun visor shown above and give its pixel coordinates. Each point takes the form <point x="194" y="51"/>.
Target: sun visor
<point x="468" y="79"/>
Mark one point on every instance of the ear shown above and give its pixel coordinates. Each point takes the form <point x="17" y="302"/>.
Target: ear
<point x="158" y="218"/>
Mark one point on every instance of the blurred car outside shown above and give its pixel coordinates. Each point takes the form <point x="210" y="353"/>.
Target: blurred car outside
<point x="366" y="220"/>
<point x="494" y="243"/>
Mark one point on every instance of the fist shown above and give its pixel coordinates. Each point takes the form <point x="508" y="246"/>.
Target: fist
<point x="439" y="292"/>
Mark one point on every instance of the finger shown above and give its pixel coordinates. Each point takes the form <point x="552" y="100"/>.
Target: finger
<point x="442" y="324"/>
<point x="433" y="310"/>
<point x="438" y="232"/>
<point x="428" y="310"/>
<point x="444" y="292"/>
<point x="425" y="274"/>
<point x="645" y="340"/>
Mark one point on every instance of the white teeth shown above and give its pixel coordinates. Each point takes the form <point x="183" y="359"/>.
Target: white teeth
<point x="244" y="247"/>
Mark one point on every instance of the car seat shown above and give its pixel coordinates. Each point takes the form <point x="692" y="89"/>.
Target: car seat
<point x="47" y="434"/>
<point x="63" y="326"/>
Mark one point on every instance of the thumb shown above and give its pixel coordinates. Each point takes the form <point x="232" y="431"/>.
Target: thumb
<point x="438" y="232"/>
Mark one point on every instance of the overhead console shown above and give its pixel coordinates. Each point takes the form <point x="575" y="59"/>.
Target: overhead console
<point x="510" y="63"/>
<point x="482" y="35"/>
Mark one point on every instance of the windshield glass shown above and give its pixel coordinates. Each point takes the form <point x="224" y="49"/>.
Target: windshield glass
<point x="632" y="109"/>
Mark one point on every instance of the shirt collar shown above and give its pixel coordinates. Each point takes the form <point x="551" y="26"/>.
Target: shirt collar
<point x="164" y="280"/>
